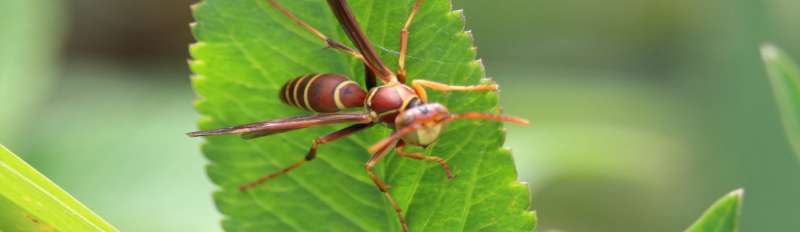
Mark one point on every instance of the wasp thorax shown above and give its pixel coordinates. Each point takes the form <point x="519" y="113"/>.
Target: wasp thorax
<point x="430" y="118"/>
<point x="389" y="100"/>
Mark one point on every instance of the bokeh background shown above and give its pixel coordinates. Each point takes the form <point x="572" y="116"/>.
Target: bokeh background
<point x="644" y="112"/>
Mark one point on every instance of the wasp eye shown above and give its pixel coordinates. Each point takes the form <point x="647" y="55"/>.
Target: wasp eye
<point x="424" y="109"/>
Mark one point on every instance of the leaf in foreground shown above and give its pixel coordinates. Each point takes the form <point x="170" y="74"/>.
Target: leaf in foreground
<point x="31" y="202"/>
<point x="723" y="216"/>
<point x="785" y="78"/>
<point x="246" y="50"/>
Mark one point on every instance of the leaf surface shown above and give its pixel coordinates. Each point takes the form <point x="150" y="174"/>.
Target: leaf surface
<point x="31" y="202"/>
<point x="785" y="79"/>
<point x="722" y="216"/>
<point x="246" y="50"/>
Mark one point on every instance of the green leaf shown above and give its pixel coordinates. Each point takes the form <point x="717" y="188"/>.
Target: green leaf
<point x="785" y="78"/>
<point x="31" y="202"/>
<point x="246" y="50"/>
<point x="723" y="216"/>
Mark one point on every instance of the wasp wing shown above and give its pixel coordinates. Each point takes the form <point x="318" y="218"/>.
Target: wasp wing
<point x="263" y="128"/>
<point x="345" y="16"/>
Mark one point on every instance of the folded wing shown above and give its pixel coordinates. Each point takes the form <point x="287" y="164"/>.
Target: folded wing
<point x="263" y="128"/>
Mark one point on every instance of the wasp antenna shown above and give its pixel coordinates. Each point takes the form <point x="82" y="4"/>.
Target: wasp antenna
<point x="485" y="116"/>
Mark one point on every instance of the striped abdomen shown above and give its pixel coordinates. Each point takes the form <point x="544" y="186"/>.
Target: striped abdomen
<point x="324" y="93"/>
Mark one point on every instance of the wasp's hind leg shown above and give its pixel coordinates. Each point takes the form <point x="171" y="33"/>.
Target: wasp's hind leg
<point x="328" y="41"/>
<point x="312" y="153"/>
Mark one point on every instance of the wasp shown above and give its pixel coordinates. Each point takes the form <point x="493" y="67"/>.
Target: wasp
<point x="396" y="104"/>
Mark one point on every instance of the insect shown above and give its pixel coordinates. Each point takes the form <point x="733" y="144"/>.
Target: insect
<point x="406" y="109"/>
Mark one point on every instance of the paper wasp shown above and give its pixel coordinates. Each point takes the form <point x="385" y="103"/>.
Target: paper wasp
<point x="404" y="108"/>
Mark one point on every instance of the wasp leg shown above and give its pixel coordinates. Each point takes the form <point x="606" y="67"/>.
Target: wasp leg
<point x="419" y="87"/>
<point x="419" y="156"/>
<point x="377" y="156"/>
<point x="328" y="41"/>
<point x="401" y="61"/>
<point x="312" y="153"/>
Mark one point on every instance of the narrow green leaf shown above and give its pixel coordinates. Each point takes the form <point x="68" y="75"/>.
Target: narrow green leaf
<point x="723" y="216"/>
<point x="31" y="202"/>
<point x="246" y="50"/>
<point x="785" y="78"/>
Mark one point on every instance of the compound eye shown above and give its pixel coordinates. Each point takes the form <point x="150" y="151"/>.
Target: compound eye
<point x="424" y="109"/>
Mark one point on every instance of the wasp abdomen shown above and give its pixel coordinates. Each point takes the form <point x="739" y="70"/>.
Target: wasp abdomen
<point x="324" y="93"/>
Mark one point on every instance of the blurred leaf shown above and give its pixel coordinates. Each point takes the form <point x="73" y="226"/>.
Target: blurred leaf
<point x="246" y="50"/>
<point x="723" y="216"/>
<point x="785" y="80"/>
<point x="95" y="96"/>
<point x="31" y="202"/>
<point x="27" y="62"/>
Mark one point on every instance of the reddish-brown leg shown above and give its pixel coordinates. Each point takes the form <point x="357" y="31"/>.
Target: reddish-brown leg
<point x="419" y="87"/>
<point x="419" y="156"/>
<point x="377" y="156"/>
<point x="401" y="61"/>
<point x="312" y="153"/>
<point x="328" y="41"/>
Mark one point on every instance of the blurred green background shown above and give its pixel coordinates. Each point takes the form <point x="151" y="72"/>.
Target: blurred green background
<point x="644" y="112"/>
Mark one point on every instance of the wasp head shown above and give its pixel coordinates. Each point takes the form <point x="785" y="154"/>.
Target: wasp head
<point x="430" y="120"/>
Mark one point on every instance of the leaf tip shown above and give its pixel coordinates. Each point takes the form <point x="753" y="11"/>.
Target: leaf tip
<point x="193" y="62"/>
<point x="458" y="14"/>
<point x="770" y="52"/>
<point x="195" y="6"/>
<point x="738" y="193"/>
<point x="533" y="217"/>
<point x="197" y="66"/>
<point x="470" y="35"/>
<point x="478" y="63"/>
<point x="195" y="47"/>
<point x="199" y="104"/>
<point x="722" y="215"/>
